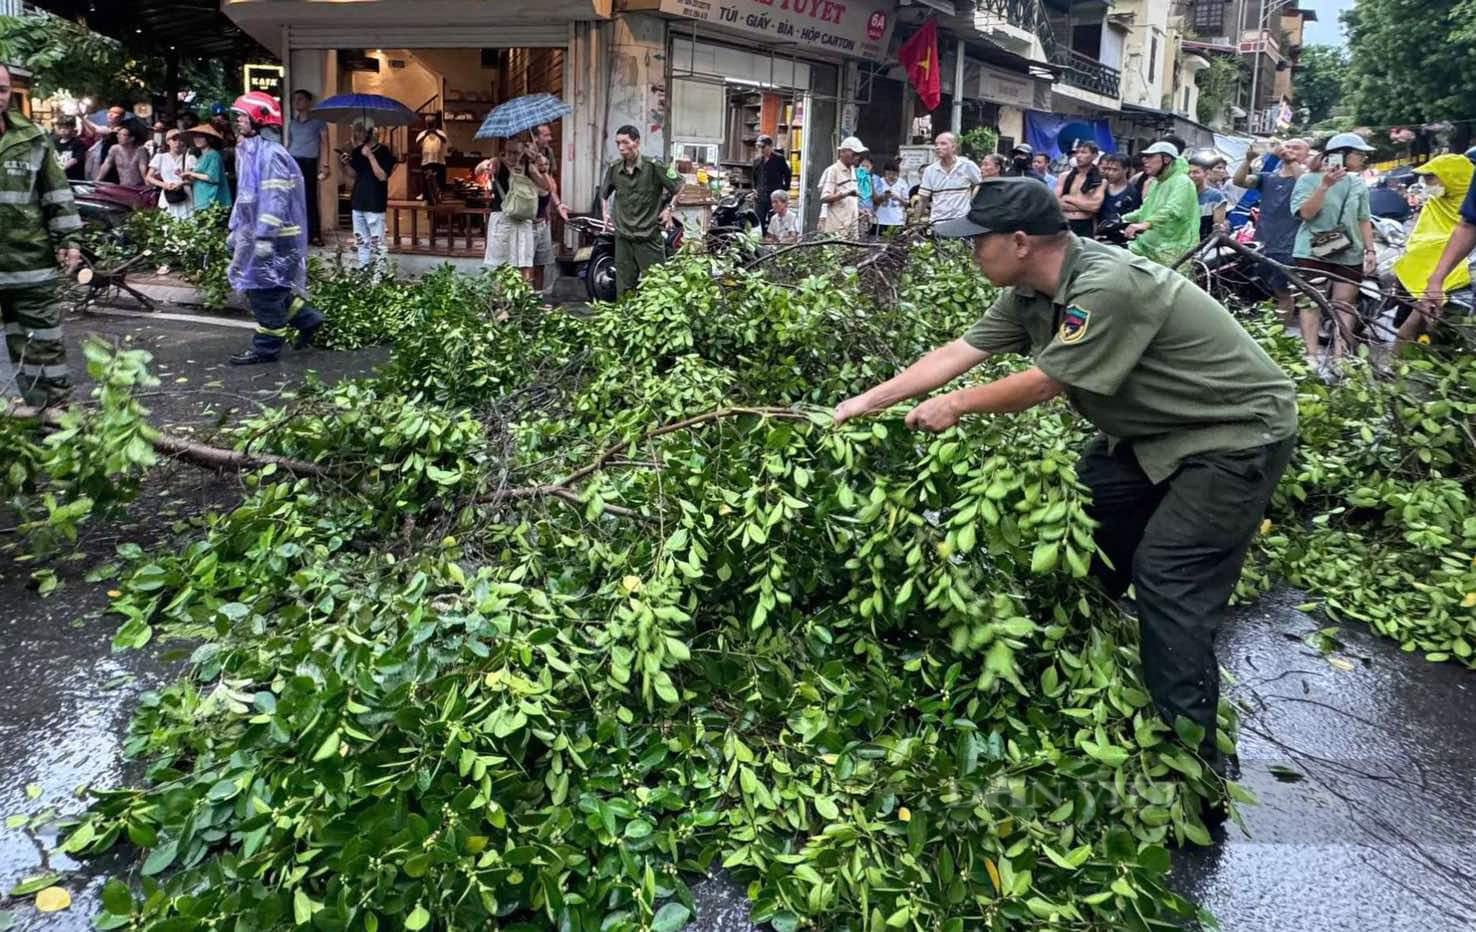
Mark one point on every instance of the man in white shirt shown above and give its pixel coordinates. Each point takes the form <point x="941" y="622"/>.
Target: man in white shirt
<point x="784" y="224"/>
<point x="838" y="191"/>
<point x="948" y="184"/>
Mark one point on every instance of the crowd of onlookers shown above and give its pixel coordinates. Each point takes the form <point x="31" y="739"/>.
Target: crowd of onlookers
<point x="1312" y="212"/>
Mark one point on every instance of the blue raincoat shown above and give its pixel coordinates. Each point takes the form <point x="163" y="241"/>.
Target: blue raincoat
<point x="268" y="238"/>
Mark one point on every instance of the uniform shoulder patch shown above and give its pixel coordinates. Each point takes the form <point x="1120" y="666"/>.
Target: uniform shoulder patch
<point x="1074" y="324"/>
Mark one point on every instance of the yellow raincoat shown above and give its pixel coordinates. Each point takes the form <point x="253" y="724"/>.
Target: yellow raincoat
<point x="1437" y="222"/>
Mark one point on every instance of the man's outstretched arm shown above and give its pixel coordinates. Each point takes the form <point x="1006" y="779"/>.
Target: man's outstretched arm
<point x="1009" y="395"/>
<point x="939" y="367"/>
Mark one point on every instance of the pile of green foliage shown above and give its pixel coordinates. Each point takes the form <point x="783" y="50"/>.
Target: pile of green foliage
<point x="531" y="658"/>
<point x="586" y="608"/>
<point x="193" y="248"/>
<point x="1375" y="516"/>
<point x="89" y="466"/>
<point x="369" y="309"/>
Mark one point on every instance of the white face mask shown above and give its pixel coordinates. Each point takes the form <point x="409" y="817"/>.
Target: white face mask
<point x="1433" y="191"/>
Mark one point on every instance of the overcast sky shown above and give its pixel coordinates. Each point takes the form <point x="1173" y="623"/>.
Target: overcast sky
<point x="1326" y="30"/>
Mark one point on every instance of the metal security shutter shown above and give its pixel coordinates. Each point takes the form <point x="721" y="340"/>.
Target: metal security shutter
<point x="510" y="35"/>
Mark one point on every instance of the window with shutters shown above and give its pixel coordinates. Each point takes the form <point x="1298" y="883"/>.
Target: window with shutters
<point x="1207" y="17"/>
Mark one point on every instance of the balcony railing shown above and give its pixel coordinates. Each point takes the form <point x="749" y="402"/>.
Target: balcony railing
<point x="1087" y="73"/>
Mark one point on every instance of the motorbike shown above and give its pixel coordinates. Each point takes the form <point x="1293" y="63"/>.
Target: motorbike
<point x="595" y="262"/>
<point x="733" y="222"/>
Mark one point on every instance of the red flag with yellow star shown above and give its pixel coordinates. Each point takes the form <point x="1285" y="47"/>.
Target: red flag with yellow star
<point x="919" y="56"/>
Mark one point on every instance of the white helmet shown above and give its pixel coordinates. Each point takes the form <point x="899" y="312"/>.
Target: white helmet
<point x="852" y="143"/>
<point x="1162" y="148"/>
<point x="1347" y="141"/>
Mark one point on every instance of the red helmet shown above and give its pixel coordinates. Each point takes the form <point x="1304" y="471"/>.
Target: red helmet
<point x="261" y="107"/>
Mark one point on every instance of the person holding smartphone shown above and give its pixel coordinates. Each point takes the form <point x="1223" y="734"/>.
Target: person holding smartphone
<point x="1335" y="241"/>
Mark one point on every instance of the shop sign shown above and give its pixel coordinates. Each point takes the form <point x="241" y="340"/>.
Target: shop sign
<point x="1004" y="87"/>
<point x="267" y="78"/>
<point x="857" y="28"/>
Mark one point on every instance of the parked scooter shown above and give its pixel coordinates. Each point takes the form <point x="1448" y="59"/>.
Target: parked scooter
<point x="734" y="222"/>
<point x="595" y="262"/>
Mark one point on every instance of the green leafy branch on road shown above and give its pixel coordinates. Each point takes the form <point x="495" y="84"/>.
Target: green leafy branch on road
<point x="861" y="669"/>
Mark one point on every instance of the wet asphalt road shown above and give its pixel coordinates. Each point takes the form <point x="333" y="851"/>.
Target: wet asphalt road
<point x="1363" y="760"/>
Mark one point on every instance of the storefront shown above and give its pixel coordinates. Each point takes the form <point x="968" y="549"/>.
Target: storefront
<point x="455" y="59"/>
<point x="749" y="68"/>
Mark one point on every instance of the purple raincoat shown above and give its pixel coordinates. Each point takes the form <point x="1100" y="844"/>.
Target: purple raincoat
<point x="271" y="208"/>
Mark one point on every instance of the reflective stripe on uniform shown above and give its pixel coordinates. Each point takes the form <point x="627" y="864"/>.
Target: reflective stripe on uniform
<point x="43" y="372"/>
<point x="28" y="277"/>
<point x="278" y="332"/>
<point x="35" y="333"/>
<point x="64" y="223"/>
<point x="278" y="185"/>
<point x="290" y="229"/>
<point x="17" y="197"/>
<point x="59" y="196"/>
<point x="269" y="220"/>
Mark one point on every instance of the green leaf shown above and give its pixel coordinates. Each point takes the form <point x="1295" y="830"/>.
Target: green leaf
<point x="117" y="898"/>
<point x="329" y="747"/>
<point x="419" y="918"/>
<point x="160" y="858"/>
<point x="35" y="884"/>
<point x="670" y="918"/>
<point x="305" y="907"/>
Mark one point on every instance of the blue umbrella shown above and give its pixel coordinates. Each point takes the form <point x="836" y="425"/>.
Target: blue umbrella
<point x="521" y="114"/>
<point x="383" y="111"/>
<point x="1072" y="133"/>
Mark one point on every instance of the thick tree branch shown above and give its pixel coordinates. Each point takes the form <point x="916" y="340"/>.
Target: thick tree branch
<point x="187" y="451"/>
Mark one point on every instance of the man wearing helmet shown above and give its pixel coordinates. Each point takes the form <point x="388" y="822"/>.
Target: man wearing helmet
<point x="1167" y="225"/>
<point x="268" y="233"/>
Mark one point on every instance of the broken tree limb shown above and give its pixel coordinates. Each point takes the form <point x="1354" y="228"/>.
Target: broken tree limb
<point x="187" y="451"/>
<point x="563" y="489"/>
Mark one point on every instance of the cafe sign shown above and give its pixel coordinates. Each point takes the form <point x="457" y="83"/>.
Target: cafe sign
<point x="855" y="28"/>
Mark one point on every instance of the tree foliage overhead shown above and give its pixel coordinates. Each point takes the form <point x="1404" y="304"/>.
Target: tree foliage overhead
<point x="1319" y="83"/>
<point x="67" y="58"/>
<point x="1410" y="61"/>
<point x="1218" y="85"/>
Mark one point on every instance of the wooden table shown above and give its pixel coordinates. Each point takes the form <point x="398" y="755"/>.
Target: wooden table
<point x="448" y="215"/>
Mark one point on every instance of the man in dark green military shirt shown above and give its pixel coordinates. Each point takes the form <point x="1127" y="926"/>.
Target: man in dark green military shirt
<point x="1197" y="422"/>
<point x="643" y="189"/>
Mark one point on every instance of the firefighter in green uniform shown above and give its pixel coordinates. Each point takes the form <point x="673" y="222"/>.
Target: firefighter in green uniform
<point x="643" y="189"/>
<point x="1197" y="422"/>
<point x="39" y="228"/>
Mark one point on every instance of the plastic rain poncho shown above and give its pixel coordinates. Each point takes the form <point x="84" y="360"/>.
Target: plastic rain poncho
<point x="1172" y="206"/>
<point x="268" y="238"/>
<point x="1438" y="220"/>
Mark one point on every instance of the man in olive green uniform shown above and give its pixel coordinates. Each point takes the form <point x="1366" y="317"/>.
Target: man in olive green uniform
<point x="1197" y="422"/>
<point x="39" y="227"/>
<point x="643" y="189"/>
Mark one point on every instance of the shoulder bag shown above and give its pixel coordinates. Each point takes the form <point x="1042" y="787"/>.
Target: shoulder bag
<point x="1330" y="242"/>
<point x="181" y="194"/>
<point x="519" y="198"/>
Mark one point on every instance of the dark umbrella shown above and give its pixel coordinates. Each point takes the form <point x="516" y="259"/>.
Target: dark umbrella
<point x="380" y="110"/>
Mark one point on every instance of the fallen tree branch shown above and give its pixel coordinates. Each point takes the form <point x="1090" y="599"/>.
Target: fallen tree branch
<point x="187" y="451"/>
<point x="564" y="491"/>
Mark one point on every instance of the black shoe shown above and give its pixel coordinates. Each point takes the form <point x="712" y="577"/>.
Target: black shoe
<point x="250" y="358"/>
<point x="307" y="336"/>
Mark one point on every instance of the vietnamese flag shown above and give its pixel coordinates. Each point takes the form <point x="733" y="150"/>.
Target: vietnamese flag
<point x="919" y="56"/>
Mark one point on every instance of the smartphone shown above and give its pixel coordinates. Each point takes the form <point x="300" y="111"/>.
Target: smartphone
<point x="1333" y="161"/>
